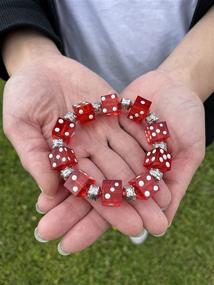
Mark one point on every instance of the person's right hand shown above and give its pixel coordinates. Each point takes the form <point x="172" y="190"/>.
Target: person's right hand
<point x="34" y="97"/>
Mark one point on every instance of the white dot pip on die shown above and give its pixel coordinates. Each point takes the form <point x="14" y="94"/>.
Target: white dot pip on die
<point x="141" y="183"/>
<point x="75" y="188"/>
<point x="74" y="177"/>
<point x="57" y="130"/>
<point x="148" y="177"/>
<point x="107" y="196"/>
<point x="147" y="193"/>
<point x="61" y="121"/>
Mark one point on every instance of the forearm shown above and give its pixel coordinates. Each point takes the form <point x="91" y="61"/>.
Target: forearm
<point x="192" y="62"/>
<point x="24" y="46"/>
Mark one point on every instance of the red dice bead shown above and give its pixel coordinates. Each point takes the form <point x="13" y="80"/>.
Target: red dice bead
<point x="61" y="157"/>
<point x="84" y="112"/>
<point x="63" y="129"/>
<point x="78" y="183"/>
<point x="156" y="132"/>
<point x="110" y="105"/>
<point x="112" y="193"/>
<point x="158" y="158"/>
<point x="145" y="186"/>
<point x="139" y="109"/>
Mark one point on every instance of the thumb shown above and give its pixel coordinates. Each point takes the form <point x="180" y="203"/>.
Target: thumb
<point x="33" y="151"/>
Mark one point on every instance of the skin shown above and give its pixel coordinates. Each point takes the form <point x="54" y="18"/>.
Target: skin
<point x="177" y="89"/>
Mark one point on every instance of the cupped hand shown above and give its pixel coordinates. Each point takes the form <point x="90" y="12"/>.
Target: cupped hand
<point x="33" y="98"/>
<point x="175" y="103"/>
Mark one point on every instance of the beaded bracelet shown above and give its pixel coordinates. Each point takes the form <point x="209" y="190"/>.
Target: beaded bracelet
<point x="79" y="183"/>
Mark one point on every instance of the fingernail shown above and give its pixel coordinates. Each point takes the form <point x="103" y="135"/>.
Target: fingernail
<point x="38" y="237"/>
<point x="140" y="238"/>
<point x="160" y="235"/>
<point x="41" y="188"/>
<point x="140" y="234"/>
<point x="61" y="250"/>
<point x="38" y="210"/>
<point x="169" y="224"/>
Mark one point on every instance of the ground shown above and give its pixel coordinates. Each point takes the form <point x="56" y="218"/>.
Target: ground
<point x="185" y="255"/>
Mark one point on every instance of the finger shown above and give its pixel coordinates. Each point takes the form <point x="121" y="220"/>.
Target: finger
<point x="46" y="203"/>
<point x="133" y="154"/>
<point x="154" y="220"/>
<point x="80" y="237"/>
<point x="63" y="217"/>
<point x="163" y="197"/>
<point x="33" y="152"/>
<point x="128" y="148"/>
<point x="124" y="218"/>
<point x="135" y="130"/>
<point x="179" y="180"/>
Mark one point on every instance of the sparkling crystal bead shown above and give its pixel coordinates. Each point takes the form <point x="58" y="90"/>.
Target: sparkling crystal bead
<point x="93" y="192"/>
<point x="162" y="145"/>
<point x="129" y="192"/>
<point x="151" y="118"/>
<point x="126" y="103"/>
<point x="156" y="173"/>
<point x="65" y="173"/>
<point x="97" y="107"/>
<point x="71" y="116"/>
<point x="57" y="143"/>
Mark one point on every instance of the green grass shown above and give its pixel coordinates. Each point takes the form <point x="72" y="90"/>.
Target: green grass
<point x="185" y="255"/>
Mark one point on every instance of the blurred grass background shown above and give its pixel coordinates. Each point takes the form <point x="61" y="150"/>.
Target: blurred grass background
<point x="185" y="255"/>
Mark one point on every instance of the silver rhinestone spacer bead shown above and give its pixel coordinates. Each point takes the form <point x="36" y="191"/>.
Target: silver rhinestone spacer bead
<point x="93" y="192"/>
<point x="156" y="173"/>
<point x="162" y="145"/>
<point x="97" y="107"/>
<point x="71" y="116"/>
<point x="57" y="143"/>
<point x="126" y="103"/>
<point x="129" y="192"/>
<point x="151" y="118"/>
<point x="65" y="173"/>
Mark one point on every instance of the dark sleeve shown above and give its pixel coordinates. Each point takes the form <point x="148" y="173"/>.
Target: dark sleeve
<point x="24" y="13"/>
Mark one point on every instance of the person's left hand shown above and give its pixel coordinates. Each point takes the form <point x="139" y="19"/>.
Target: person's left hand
<point x="183" y="111"/>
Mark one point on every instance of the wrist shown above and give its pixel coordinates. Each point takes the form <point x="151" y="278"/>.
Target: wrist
<point x="188" y="77"/>
<point x="22" y="47"/>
